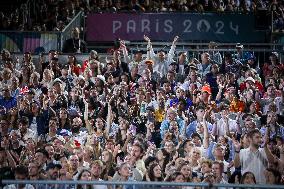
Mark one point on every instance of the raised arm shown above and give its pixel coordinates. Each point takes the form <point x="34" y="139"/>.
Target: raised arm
<point x="86" y="117"/>
<point x="206" y="133"/>
<point x="219" y="94"/>
<point x="171" y="53"/>
<point x="227" y="129"/>
<point x="270" y="157"/>
<point x="237" y="160"/>
<point x="109" y="117"/>
<point x="239" y="129"/>
<point x="126" y="58"/>
<point x="150" y="50"/>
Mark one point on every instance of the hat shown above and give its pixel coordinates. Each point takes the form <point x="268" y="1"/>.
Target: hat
<point x="206" y="88"/>
<point x="239" y="46"/>
<point x="102" y="78"/>
<point x="65" y="132"/>
<point x="81" y="77"/>
<point x="52" y="166"/>
<point x="149" y="62"/>
<point x="57" y="80"/>
<point x="275" y="54"/>
<point x="250" y="79"/>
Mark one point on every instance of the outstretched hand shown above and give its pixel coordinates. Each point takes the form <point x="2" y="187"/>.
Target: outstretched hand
<point x="146" y="38"/>
<point x="122" y="43"/>
<point x="175" y="39"/>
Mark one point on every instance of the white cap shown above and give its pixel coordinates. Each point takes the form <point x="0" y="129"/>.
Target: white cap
<point x="250" y="79"/>
<point x="102" y="78"/>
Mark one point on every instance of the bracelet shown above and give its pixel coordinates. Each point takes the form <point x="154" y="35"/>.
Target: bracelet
<point x="237" y="151"/>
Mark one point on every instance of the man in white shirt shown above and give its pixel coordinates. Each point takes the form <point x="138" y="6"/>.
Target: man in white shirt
<point x="96" y="169"/>
<point x="253" y="159"/>
<point x="162" y="61"/>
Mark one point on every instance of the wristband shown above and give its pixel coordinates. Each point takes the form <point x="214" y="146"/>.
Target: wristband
<point x="237" y="151"/>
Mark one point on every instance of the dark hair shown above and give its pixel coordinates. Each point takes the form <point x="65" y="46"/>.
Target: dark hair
<point x="21" y="170"/>
<point x="75" y="59"/>
<point x="81" y="173"/>
<point x="200" y="106"/>
<point x="149" y="160"/>
<point x="252" y="132"/>
<point x="44" y="152"/>
<point x="244" y="176"/>
<point x="126" y="74"/>
<point x="167" y="158"/>
<point x="233" y="177"/>
<point x="173" y="176"/>
<point x="276" y="174"/>
<point x="151" y="173"/>
<point x="24" y="120"/>
<point x="80" y="176"/>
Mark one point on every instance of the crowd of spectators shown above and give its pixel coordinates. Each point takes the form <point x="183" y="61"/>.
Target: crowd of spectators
<point x="54" y="15"/>
<point x="143" y="117"/>
<point x="40" y="15"/>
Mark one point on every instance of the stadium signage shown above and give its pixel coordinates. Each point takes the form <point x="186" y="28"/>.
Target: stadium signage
<point x="164" y="26"/>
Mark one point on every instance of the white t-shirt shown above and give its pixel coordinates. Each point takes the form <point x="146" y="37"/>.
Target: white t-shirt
<point x="221" y="126"/>
<point x="254" y="162"/>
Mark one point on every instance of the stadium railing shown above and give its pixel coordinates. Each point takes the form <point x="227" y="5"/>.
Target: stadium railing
<point x="261" y="55"/>
<point x="134" y="184"/>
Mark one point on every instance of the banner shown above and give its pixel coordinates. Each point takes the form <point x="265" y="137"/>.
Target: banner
<point x="164" y="26"/>
<point x="34" y="42"/>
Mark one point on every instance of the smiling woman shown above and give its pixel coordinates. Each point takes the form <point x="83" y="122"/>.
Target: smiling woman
<point x="85" y="175"/>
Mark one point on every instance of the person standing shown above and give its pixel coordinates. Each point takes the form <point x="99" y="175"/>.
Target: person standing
<point x="74" y="44"/>
<point x="254" y="158"/>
